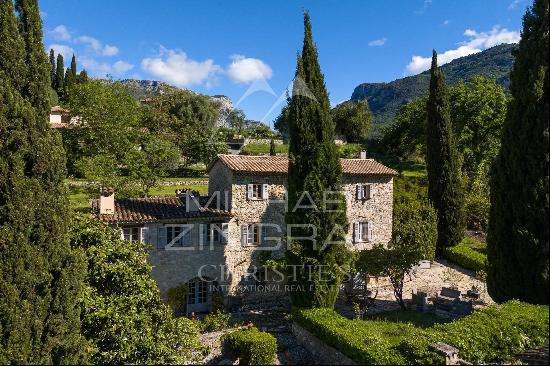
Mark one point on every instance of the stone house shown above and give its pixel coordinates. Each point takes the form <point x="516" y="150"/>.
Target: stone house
<point x="213" y="243"/>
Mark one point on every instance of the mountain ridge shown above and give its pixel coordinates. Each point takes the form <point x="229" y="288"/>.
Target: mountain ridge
<point x="385" y="98"/>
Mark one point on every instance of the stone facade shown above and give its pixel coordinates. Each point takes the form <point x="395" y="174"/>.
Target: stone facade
<point x="230" y="265"/>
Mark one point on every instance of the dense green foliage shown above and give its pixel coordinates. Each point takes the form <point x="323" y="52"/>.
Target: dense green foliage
<point x="413" y="239"/>
<point x="353" y="120"/>
<point x="517" y="241"/>
<point x="188" y="120"/>
<point x="252" y="346"/>
<point x="314" y="168"/>
<point x="466" y="255"/>
<point x="494" y="334"/>
<point x="442" y="163"/>
<point x="123" y="316"/>
<point x="40" y="276"/>
<point x="215" y="321"/>
<point x="385" y="99"/>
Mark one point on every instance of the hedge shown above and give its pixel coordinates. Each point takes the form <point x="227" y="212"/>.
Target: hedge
<point x="466" y="257"/>
<point x="494" y="334"/>
<point x="252" y="346"/>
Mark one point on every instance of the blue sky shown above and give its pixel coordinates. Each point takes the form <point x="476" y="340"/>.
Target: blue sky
<point x="247" y="49"/>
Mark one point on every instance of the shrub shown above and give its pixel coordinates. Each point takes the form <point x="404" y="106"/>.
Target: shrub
<point x="216" y="321"/>
<point x="252" y="346"/>
<point x="465" y="255"/>
<point x="494" y="334"/>
<point x="176" y="297"/>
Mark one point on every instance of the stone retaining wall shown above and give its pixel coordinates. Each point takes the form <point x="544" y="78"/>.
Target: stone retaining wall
<point x="319" y="349"/>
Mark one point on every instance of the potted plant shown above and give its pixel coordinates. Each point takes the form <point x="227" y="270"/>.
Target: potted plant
<point x="474" y="292"/>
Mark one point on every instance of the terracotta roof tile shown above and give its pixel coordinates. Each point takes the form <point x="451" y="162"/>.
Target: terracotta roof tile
<point x="266" y="164"/>
<point x="154" y="209"/>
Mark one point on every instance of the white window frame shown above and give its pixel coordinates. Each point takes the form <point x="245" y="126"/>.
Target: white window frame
<point x="249" y="233"/>
<point x="131" y="234"/>
<point x="362" y="232"/>
<point x="179" y="240"/>
<point x="257" y="191"/>
<point x="364" y="191"/>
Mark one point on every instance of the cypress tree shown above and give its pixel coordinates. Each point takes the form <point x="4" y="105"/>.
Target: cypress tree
<point x="517" y="240"/>
<point x="52" y="69"/>
<point x="73" y="67"/>
<point x="60" y="76"/>
<point x="12" y="48"/>
<point x="314" y="169"/>
<point x="444" y="183"/>
<point x="272" y="150"/>
<point x="40" y="277"/>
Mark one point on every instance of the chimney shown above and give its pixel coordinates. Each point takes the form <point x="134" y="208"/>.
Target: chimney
<point x="363" y="154"/>
<point x="107" y="201"/>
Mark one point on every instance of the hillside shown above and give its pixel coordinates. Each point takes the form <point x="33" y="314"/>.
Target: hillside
<point x="140" y="89"/>
<point x="385" y="99"/>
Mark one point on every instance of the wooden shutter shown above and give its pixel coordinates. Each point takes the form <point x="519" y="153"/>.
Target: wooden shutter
<point x="144" y="234"/>
<point x="265" y="191"/>
<point x="249" y="191"/>
<point x="244" y="234"/>
<point x="161" y="237"/>
<point x="204" y="232"/>
<point x="369" y="191"/>
<point x="225" y="229"/>
<point x="358" y="191"/>
<point x="356" y="233"/>
<point x="369" y="232"/>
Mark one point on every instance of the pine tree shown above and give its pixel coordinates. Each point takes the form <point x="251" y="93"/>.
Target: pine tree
<point x="60" y="76"/>
<point x="40" y="277"/>
<point x="517" y="240"/>
<point x="444" y="182"/>
<point x="314" y="169"/>
<point x="52" y="69"/>
<point x="272" y="150"/>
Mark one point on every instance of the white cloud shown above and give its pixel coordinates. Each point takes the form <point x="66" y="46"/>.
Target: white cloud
<point x="446" y="22"/>
<point x="103" y="69"/>
<point x="97" y="47"/>
<point x="65" y="50"/>
<point x="425" y="6"/>
<point x="514" y="4"/>
<point x="478" y="41"/>
<point x="378" y="42"/>
<point x="244" y="70"/>
<point x="109" y="50"/>
<point x="60" y="33"/>
<point x="174" y="67"/>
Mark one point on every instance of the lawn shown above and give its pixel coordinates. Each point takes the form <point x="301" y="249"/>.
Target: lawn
<point x="263" y="149"/>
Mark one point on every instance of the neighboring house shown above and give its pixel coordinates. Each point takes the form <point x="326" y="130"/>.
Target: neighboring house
<point x="59" y="117"/>
<point x="217" y="239"/>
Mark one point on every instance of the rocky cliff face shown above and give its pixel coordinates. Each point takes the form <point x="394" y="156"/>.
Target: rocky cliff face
<point x="385" y="99"/>
<point x="141" y="89"/>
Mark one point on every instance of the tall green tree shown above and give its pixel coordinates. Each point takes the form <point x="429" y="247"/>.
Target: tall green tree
<point x="82" y="76"/>
<point x="12" y="47"/>
<point x="60" y="75"/>
<point x="73" y="67"/>
<point x="444" y="182"/>
<point x="53" y="68"/>
<point x="40" y="276"/>
<point x="353" y="120"/>
<point x="314" y="169"/>
<point x="517" y="241"/>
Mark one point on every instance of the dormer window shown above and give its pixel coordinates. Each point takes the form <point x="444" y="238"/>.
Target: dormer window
<point x="257" y="191"/>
